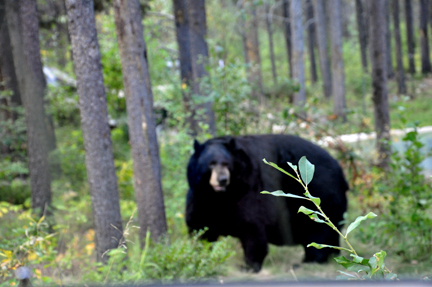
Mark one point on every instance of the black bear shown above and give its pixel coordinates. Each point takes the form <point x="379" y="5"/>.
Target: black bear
<point x="226" y="176"/>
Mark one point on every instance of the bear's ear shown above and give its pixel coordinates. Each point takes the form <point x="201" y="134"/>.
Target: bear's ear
<point x="232" y="145"/>
<point x="197" y="146"/>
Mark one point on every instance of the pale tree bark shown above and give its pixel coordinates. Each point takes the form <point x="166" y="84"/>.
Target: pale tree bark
<point x="181" y="17"/>
<point x="269" y="20"/>
<point x="94" y="123"/>
<point x="390" y="70"/>
<point x="142" y="128"/>
<point x="424" y="42"/>
<point x="199" y="56"/>
<point x="287" y="33"/>
<point x="337" y="66"/>
<point x="311" y="40"/>
<point x="400" y="75"/>
<point x="252" y="52"/>
<point x="298" y="51"/>
<point x="362" y="33"/>
<point x="321" y="37"/>
<point x="410" y="35"/>
<point x="24" y="32"/>
<point x="379" y="80"/>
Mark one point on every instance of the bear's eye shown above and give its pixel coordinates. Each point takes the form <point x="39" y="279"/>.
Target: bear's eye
<point x="212" y="164"/>
<point x="225" y="164"/>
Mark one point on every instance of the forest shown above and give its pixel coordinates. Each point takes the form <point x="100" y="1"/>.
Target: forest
<point x="101" y="102"/>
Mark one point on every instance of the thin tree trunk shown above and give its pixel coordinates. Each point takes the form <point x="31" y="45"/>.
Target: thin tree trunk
<point x="298" y="51"/>
<point x="287" y="33"/>
<point x="424" y="42"/>
<point x="311" y="40"/>
<point x="142" y="129"/>
<point x="398" y="43"/>
<point x="94" y="123"/>
<point x="410" y="35"/>
<point x="199" y="56"/>
<point x="6" y="60"/>
<point x="24" y="31"/>
<point x="379" y="80"/>
<point x="338" y="73"/>
<point x="362" y="33"/>
<point x="251" y="47"/>
<point x="182" y="33"/>
<point x="390" y="70"/>
<point x="270" y="36"/>
<point x="321" y="32"/>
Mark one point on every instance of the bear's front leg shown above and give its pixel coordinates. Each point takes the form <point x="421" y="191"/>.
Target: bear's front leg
<point x="255" y="247"/>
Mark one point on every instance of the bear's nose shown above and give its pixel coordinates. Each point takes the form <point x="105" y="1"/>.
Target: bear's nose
<point x="223" y="181"/>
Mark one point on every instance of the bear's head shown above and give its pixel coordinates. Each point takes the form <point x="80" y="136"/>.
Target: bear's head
<point x="211" y="165"/>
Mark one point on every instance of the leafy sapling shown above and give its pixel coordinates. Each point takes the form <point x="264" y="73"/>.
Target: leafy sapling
<point x="372" y="268"/>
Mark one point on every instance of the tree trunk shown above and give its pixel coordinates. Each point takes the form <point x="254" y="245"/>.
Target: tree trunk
<point x="322" y="46"/>
<point x="362" y="33"/>
<point x="410" y="34"/>
<point x="24" y="32"/>
<point x="6" y="60"/>
<point x="338" y="73"/>
<point x="390" y="70"/>
<point x="287" y="32"/>
<point x="182" y="33"/>
<point x="142" y="129"/>
<point x="311" y="40"/>
<point x="269" y="20"/>
<point x="379" y="80"/>
<point x="424" y="42"/>
<point x="400" y="76"/>
<point x="251" y="47"/>
<point x="298" y="51"/>
<point x="94" y="123"/>
<point x="199" y="56"/>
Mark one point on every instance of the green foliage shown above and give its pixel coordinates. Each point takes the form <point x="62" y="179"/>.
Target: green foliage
<point x="187" y="259"/>
<point x="64" y="106"/>
<point x="28" y="245"/>
<point x="405" y="228"/>
<point x="374" y="267"/>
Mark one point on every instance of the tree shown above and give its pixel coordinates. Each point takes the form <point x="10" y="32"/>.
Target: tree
<point x="8" y="80"/>
<point x="24" y="33"/>
<point x="94" y="123"/>
<point x="400" y="75"/>
<point x="390" y="70"/>
<point x="337" y="66"/>
<point x="379" y="80"/>
<point x="322" y="46"/>
<point x="251" y="50"/>
<point x="362" y="33"/>
<point x="199" y="56"/>
<point x="142" y="128"/>
<point x="181" y="17"/>
<point x="269" y="20"/>
<point x="298" y="51"/>
<point x="287" y="33"/>
<point x="424" y="42"/>
<point x="410" y="35"/>
<point x="311" y="40"/>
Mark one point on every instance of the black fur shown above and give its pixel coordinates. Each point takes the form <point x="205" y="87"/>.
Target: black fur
<point x="258" y="219"/>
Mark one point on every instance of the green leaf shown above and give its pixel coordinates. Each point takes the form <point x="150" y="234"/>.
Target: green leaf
<point x="314" y="199"/>
<point x="281" y="193"/>
<point x="360" y="260"/>
<point x="359" y="219"/>
<point x="350" y="265"/>
<point x="279" y="169"/>
<point x="345" y="276"/>
<point x="306" y="211"/>
<point x="306" y="170"/>
<point x="293" y="166"/>
<point x="321" y="246"/>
